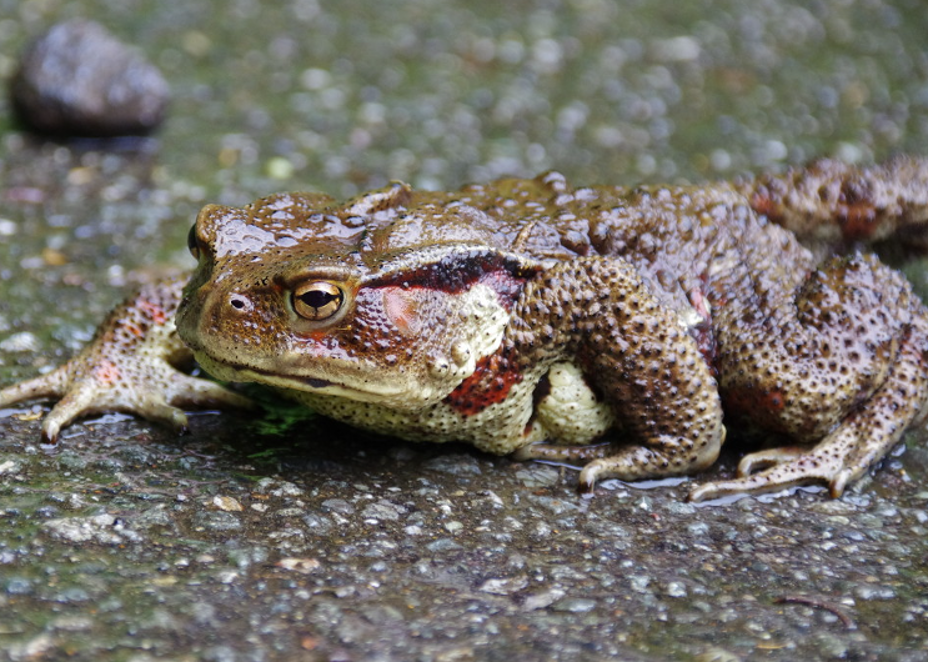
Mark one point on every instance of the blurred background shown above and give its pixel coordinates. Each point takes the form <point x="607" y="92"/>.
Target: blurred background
<point x="345" y="96"/>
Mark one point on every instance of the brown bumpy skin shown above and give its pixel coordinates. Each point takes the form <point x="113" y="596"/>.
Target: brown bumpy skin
<point x="529" y="317"/>
<point x="637" y="356"/>
<point x="837" y="202"/>
<point x="851" y="357"/>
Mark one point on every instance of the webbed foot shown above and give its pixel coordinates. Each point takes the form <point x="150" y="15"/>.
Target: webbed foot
<point x="781" y="468"/>
<point x="155" y="392"/>
<point x="129" y="366"/>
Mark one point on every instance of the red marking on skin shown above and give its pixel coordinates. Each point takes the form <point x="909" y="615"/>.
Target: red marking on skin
<point x="489" y="384"/>
<point x="399" y="310"/>
<point x="459" y="272"/>
<point x="319" y="337"/>
<point x="133" y="328"/>
<point x="708" y="347"/>
<point x="764" y="205"/>
<point x="321" y="343"/>
<point x="858" y="220"/>
<point x="702" y="332"/>
<point x="507" y="286"/>
<point x="698" y="301"/>
<point x="760" y="404"/>
<point x="153" y="311"/>
<point x="106" y="372"/>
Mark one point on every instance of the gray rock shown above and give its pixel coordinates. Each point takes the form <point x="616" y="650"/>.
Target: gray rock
<point x="79" y="80"/>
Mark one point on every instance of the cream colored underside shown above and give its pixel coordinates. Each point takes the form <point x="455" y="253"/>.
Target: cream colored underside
<point x="568" y="415"/>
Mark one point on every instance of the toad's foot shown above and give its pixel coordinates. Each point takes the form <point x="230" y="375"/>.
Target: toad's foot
<point x="608" y="460"/>
<point x="129" y="366"/>
<point x="781" y="468"/>
<point x="152" y="390"/>
<point x="557" y="453"/>
<point x="860" y="441"/>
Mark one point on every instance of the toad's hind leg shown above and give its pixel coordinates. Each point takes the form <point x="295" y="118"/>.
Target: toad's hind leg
<point x="864" y="437"/>
<point x="840" y="203"/>
<point x="845" y="368"/>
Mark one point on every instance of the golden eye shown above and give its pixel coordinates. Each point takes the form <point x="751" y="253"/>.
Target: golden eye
<point x="192" y="242"/>
<point x="317" y="300"/>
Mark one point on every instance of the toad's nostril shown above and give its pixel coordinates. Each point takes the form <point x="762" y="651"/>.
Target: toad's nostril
<point x="240" y="302"/>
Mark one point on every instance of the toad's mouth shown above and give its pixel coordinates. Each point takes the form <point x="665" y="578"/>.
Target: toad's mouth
<point x="375" y="391"/>
<point x="313" y="382"/>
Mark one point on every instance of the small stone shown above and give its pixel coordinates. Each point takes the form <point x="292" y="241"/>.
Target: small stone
<point x="455" y="465"/>
<point x="542" y="600"/>
<point x="19" y="586"/>
<point x="33" y="649"/>
<point x="454" y="526"/>
<point x="676" y="589"/>
<point x="21" y="342"/>
<point x="536" y="476"/>
<point x="74" y="623"/>
<point x="575" y="605"/>
<point x="102" y="529"/>
<point x="383" y="510"/>
<point x="316" y="523"/>
<point x="218" y="521"/>
<point x="503" y="585"/>
<point x="874" y="592"/>
<point x="443" y="545"/>
<point x="698" y="529"/>
<point x="227" y="503"/>
<point x="301" y="565"/>
<point x="339" y="506"/>
<point x="227" y="576"/>
<point x="79" y="80"/>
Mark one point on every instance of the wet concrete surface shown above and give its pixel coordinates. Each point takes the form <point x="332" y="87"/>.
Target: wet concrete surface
<point x="292" y="539"/>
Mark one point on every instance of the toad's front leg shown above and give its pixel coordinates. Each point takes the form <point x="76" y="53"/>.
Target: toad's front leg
<point x="129" y="366"/>
<point x="639" y="356"/>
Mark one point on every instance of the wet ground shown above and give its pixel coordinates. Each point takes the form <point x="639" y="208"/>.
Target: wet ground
<point x="288" y="539"/>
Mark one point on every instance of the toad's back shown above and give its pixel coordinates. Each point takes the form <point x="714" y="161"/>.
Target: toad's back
<point x="681" y="240"/>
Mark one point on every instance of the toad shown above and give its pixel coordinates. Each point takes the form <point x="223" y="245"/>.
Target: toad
<point x="618" y="328"/>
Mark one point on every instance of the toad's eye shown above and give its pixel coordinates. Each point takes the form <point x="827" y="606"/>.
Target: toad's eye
<point x="192" y="242"/>
<point x="317" y="300"/>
